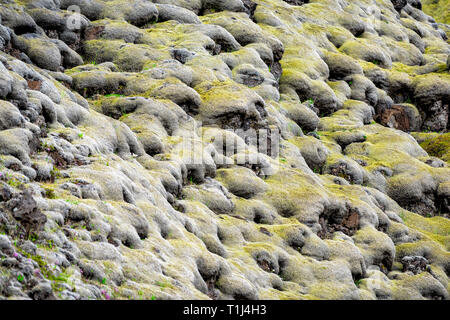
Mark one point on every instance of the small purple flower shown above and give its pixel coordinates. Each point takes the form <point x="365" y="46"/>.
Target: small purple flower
<point x="15" y="254"/>
<point x="105" y="294"/>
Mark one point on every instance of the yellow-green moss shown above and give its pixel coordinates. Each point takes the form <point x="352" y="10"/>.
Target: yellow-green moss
<point x="438" y="9"/>
<point x="438" y="146"/>
<point x="436" y="228"/>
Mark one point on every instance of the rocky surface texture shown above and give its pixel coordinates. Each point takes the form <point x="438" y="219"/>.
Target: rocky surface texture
<point x="100" y="198"/>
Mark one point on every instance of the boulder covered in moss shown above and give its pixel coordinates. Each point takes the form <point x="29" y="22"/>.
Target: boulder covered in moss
<point x="237" y="149"/>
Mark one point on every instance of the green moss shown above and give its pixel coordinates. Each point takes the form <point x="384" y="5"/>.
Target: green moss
<point x="433" y="251"/>
<point x="14" y="182"/>
<point x="149" y="65"/>
<point x="50" y="193"/>
<point x="328" y="290"/>
<point x="438" y="146"/>
<point x="164" y="284"/>
<point x="117" y="95"/>
<point x="435" y="228"/>
<point x="306" y="66"/>
<point x="438" y="9"/>
<point x="421" y="137"/>
<point x="74" y="202"/>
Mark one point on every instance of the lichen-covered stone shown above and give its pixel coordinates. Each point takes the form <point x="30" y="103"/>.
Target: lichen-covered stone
<point x="237" y="149"/>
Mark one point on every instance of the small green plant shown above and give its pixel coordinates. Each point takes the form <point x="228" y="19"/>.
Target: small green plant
<point x="81" y="135"/>
<point x="375" y="62"/>
<point x="13" y="182"/>
<point x="47" y="147"/>
<point x="50" y="244"/>
<point x="310" y="102"/>
<point x="50" y="193"/>
<point x="124" y="115"/>
<point x="93" y="61"/>
<point x="153" y="65"/>
<point x="161" y="284"/>
<point x="20" y="278"/>
<point x="33" y="237"/>
<point x="74" y="202"/>
<point x="55" y="173"/>
<point x="153" y="297"/>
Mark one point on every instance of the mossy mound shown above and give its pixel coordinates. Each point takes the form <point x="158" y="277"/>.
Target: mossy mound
<point x="440" y="10"/>
<point x="438" y="146"/>
<point x="236" y="149"/>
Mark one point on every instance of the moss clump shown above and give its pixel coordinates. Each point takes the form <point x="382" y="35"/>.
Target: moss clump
<point x="50" y="193"/>
<point x="438" y="9"/>
<point x="13" y="182"/>
<point x="435" y="228"/>
<point x="438" y="146"/>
